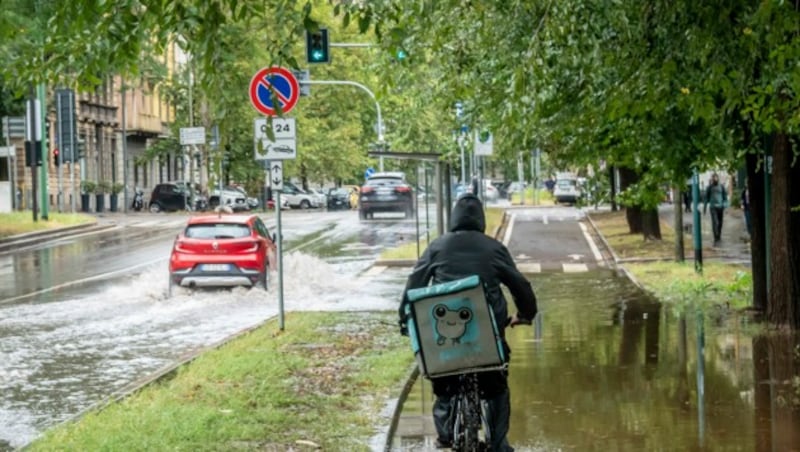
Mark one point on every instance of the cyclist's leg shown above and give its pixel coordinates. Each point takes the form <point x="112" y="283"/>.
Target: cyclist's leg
<point x="494" y="387"/>
<point x="444" y="388"/>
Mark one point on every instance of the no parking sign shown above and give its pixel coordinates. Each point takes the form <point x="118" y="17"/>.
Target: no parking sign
<point x="282" y="81"/>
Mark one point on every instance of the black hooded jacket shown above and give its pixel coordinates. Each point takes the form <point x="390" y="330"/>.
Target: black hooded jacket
<point x="465" y="251"/>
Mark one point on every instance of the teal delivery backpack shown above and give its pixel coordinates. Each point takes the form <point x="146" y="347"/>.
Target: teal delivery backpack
<point x="453" y="329"/>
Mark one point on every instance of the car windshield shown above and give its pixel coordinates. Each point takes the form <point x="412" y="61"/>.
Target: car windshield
<point x="217" y="231"/>
<point x="566" y="183"/>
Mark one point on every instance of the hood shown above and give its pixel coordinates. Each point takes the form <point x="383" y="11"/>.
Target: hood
<point x="468" y="214"/>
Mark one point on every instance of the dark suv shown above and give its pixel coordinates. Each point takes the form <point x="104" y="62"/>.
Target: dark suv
<point x="173" y="196"/>
<point x="386" y="192"/>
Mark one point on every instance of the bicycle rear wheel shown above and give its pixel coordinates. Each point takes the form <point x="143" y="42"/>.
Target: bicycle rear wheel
<point x="468" y="420"/>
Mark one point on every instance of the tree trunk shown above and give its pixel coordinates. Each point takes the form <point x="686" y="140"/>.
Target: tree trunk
<point x="758" y="243"/>
<point x="677" y="205"/>
<point x="633" y="214"/>
<point x="651" y="224"/>
<point x="775" y="366"/>
<point x="784" y="290"/>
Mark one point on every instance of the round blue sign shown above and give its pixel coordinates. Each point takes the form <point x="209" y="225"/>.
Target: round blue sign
<point x="369" y="172"/>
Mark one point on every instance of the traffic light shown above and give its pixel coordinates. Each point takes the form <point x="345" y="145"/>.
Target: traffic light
<point x="318" y="49"/>
<point x="81" y="149"/>
<point x="56" y="160"/>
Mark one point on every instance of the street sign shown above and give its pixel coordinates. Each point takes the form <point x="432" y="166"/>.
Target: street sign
<point x="284" y="147"/>
<point x="276" y="175"/>
<point x="483" y="143"/>
<point x="279" y="81"/>
<point x="369" y="172"/>
<point x="303" y="76"/>
<point x="193" y="135"/>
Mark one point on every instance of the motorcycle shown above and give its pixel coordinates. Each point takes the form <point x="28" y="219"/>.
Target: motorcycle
<point x="138" y="200"/>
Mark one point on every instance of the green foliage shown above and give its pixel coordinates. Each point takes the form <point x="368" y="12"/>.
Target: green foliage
<point x="103" y="187"/>
<point x="88" y="186"/>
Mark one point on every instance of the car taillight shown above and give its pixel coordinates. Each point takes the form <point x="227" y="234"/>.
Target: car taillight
<point x="253" y="248"/>
<point x="181" y="247"/>
<point x="365" y="190"/>
<point x="402" y="189"/>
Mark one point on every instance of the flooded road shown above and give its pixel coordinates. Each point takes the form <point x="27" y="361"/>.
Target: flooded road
<point x="65" y="347"/>
<point x="609" y="369"/>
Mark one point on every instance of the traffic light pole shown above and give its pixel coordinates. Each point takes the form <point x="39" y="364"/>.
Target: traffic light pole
<point x="362" y="87"/>
<point x="44" y="179"/>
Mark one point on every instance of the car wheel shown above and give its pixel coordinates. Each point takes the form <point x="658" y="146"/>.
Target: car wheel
<point x="213" y="202"/>
<point x="170" y="283"/>
<point x="263" y="280"/>
<point x="155" y="207"/>
<point x="362" y="214"/>
<point x="304" y="204"/>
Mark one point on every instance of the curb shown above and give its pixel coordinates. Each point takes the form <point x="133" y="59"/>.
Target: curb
<point x="412" y="377"/>
<point x="161" y="374"/>
<point x="605" y="243"/>
<point x="17" y="242"/>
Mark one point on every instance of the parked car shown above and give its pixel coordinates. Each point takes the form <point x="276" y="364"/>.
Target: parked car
<point x="385" y="192"/>
<point x="284" y="204"/>
<point x="297" y="197"/>
<point x="222" y="250"/>
<point x="338" y="199"/>
<point x="320" y="199"/>
<point x="229" y="196"/>
<point x="171" y="197"/>
<point x="566" y="190"/>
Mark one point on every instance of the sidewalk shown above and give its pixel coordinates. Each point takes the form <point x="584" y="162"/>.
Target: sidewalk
<point x="735" y="244"/>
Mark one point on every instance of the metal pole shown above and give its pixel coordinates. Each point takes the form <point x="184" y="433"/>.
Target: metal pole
<point x="124" y="149"/>
<point x="440" y="191"/>
<point x="364" y="88"/>
<point x="696" y="230"/>
<point x="536" y="168"/>
<point x="701" y="347"/>
<point x="32" y="149"/>
<point x="59" y="129"/>
<point x="280" y="259"/>
<point x="427" y="202"/>
<point x="73" y="146"/>
<point x="45" y="158"/>
<point x="416" y="212"/>
<point x="463" y="162"/>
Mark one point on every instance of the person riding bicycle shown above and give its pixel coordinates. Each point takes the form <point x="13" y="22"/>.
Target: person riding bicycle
<point x="462" y="252"/>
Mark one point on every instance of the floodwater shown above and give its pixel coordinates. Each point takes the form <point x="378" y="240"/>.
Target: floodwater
<point x="607" y="368"/>
<point x="69" y="349"/>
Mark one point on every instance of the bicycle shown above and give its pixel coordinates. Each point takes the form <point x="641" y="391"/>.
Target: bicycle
<point x="470" y="411"/>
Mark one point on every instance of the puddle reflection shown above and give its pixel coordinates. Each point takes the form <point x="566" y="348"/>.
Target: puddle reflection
<point x="610" y="369"/>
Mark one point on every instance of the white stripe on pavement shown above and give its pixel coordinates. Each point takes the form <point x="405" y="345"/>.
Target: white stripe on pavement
<point x="575" y="268"/>
<point x="509" y="228"/>
<point x="528" y="267"/>
<point x="592" y="245"/>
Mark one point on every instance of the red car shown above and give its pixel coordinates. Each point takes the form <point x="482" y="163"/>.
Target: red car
<point x="222" y="250"/>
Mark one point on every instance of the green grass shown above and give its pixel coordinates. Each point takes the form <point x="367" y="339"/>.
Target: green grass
<point x="673" y="282"/>
<point x="494" y="219"/>
<point x="22" y="222"/>
<point x="325" y="379"/>
<point x="545" y="197"/>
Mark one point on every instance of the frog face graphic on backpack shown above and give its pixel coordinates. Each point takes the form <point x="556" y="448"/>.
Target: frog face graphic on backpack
<point x="450" y="324"/>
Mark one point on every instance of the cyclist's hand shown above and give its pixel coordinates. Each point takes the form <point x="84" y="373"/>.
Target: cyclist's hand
<point x="403" y="327"/>
<point x="516" y="320"/>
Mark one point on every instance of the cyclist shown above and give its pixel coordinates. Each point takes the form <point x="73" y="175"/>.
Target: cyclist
<point x="462" y="252"/>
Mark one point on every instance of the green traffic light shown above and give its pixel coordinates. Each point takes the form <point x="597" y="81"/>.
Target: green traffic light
<point x="318" y="55"/>
<point x="401" y="54"/>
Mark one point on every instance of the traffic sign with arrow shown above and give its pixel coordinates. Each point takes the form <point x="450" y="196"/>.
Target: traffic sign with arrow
<point x="276" y="175"/>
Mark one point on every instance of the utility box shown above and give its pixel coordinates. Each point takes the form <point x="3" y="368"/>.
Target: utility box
<point x="453" y="329"/>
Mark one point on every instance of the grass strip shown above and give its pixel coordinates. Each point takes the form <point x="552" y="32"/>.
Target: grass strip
<point x="22" y="222"/>
<point x="321" y="383"/>
<point x="720" y="283"/>
<point x="494" y="218"/>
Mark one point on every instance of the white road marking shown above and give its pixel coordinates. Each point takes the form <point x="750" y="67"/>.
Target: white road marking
<point x="544" y="219"/>
<point x="529" y="267"/>
<point x="591" y="243"/>
<point x="575" y="268"/>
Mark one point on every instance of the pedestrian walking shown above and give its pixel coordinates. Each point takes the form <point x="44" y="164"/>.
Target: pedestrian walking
<point x="717" y="196"/>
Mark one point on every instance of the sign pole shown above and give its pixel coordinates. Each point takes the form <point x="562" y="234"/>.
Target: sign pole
<point x="280" y="260"/>
<point x="42" y="147"/>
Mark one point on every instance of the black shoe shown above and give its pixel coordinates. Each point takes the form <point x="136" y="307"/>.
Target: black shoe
<point x="443" y="443"/>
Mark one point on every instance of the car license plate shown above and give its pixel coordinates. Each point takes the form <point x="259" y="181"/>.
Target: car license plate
<point x="215" y="267"/>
